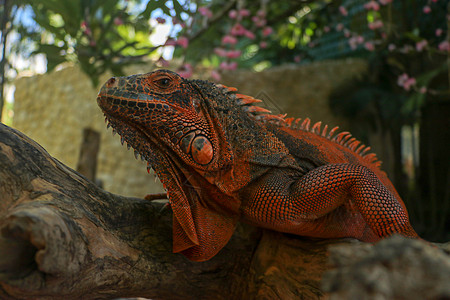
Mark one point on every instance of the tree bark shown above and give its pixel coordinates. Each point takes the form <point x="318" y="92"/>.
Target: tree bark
<point x="63" y="237"/>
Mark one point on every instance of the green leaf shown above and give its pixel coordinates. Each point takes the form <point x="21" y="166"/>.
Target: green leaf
<point x="54" y="55"/>
<point x="178" y="9"/>
<point x="152" y="5"/>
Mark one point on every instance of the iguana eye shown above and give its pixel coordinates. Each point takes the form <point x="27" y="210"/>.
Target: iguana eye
<point x="163" y="83"/>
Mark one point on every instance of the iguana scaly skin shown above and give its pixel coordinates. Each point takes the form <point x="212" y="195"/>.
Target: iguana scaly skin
<point x="222" y="159"/>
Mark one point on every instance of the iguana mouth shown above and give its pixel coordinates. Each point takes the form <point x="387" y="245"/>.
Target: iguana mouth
<point x="146" y="149"/>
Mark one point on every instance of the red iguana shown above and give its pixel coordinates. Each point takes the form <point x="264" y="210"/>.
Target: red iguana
<point x="222" y="159"/>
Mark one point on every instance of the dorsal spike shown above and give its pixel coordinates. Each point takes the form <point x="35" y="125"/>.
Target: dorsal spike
<point x="316" y="128"/>
<point x="364" y="151"/>
<point x="332" y="131"/>
<point x="297" y="123"/>
<point x="256" y="109"/>
<point x="371" y="157"/>
<point x="247" y="101"/>
<point x="229" y="88"/>
<point x="305" y="124"/>
<point x="269" y="117"/>
<point x="345" y="138"/>
<point x="347" y="143"/>
<point x="353" y="145"/>
<point x="378" y="163"/>
<point x="264" y="115"/>
<point x="357" y="151"/>
<point x="324" y="132"/>
<point x="289" y="121"/>
<point x="338" y="138"/>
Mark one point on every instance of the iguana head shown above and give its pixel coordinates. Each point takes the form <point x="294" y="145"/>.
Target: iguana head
<point x="172" y="123"/>
<point x="165" y="111"/>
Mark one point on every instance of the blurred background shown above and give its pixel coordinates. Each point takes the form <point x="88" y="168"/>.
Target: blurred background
<point x="379" y="69"/>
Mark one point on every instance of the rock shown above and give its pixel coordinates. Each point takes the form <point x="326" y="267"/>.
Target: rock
<point x="394" y="268"/>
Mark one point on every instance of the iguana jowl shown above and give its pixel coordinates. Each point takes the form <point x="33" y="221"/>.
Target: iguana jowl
<point x="222" y="159"/>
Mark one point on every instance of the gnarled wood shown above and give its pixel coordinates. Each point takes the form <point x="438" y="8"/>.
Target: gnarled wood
<point x="62" y="237"/>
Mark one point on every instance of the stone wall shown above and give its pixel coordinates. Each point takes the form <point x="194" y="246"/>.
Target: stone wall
<point x="54" y="108"/>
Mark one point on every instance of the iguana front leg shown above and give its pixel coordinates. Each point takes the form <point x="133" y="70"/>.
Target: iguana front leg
<point x="307" y="206"/>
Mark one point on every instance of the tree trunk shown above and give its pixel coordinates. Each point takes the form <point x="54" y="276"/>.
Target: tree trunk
<point x="87" y="161"/>
<point x="63" y="237"/>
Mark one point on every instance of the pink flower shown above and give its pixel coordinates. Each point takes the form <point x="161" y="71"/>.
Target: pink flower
<point x="261" y="13"/>
<point x="228" y="66"/>
<point x="402" y="79"/>
<point x="376" y="24"/>
<point x="297" y="58"/>
<point x="391" y="47"/>
<point x="183" y="42"/>
<point x="423" y="90"/>
<point x="267" y="31"/>
<point x="369" y="46"/>
<point x="249" y="34"/>
<point x="170" y="42"/>
<point x="237" y="29"/>
<point x="326" y="29"/>
<point x="384" y="2"/>
<point x="160" y="20"/>
<point x="162" y="62"/>
<point x="372" y="5"/>
<point x="185" y="71"/>
<point x="343" y="11"/>
<point x="232" y="66"/>
<point x="421" y="45"/>
<point x="118" y="21"/>
<point x="205" y="11"/>
<point x="444" y="46"/>
<point x="92" y="43"/>
<point x="339" y="27"/>
<point x="229" y="39"/>
<point x="215" y="75"/>
<point x="220" y="52"/>
<point x="175" y="21"/>
<point x="232" y="14"/>
<point x="263" y="45"/>
<point x="405" y="81"/>
<point x="233" y="53"/>
<point x="244" y="12"/>
<point x="409" y="83"/>
<point x="258" y="22"/>
<point x="347" y="33"/>
<point x="406" y="49"/>
<point x="85" y="28"/>
<point x="426" y="9"/>
<point x="438" y="32"/>
<point x="354" y="41"/>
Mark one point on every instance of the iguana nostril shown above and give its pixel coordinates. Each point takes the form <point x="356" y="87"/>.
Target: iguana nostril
<point x="111" y="82"/>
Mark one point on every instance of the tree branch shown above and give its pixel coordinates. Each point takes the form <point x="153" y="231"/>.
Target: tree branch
<point x="62" y="237"/>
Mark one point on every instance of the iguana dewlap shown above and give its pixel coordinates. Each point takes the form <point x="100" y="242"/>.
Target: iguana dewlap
<point x="222" y="159"/>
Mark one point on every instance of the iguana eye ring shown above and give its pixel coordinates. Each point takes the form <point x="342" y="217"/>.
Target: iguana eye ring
<point x="163" y="83"/>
